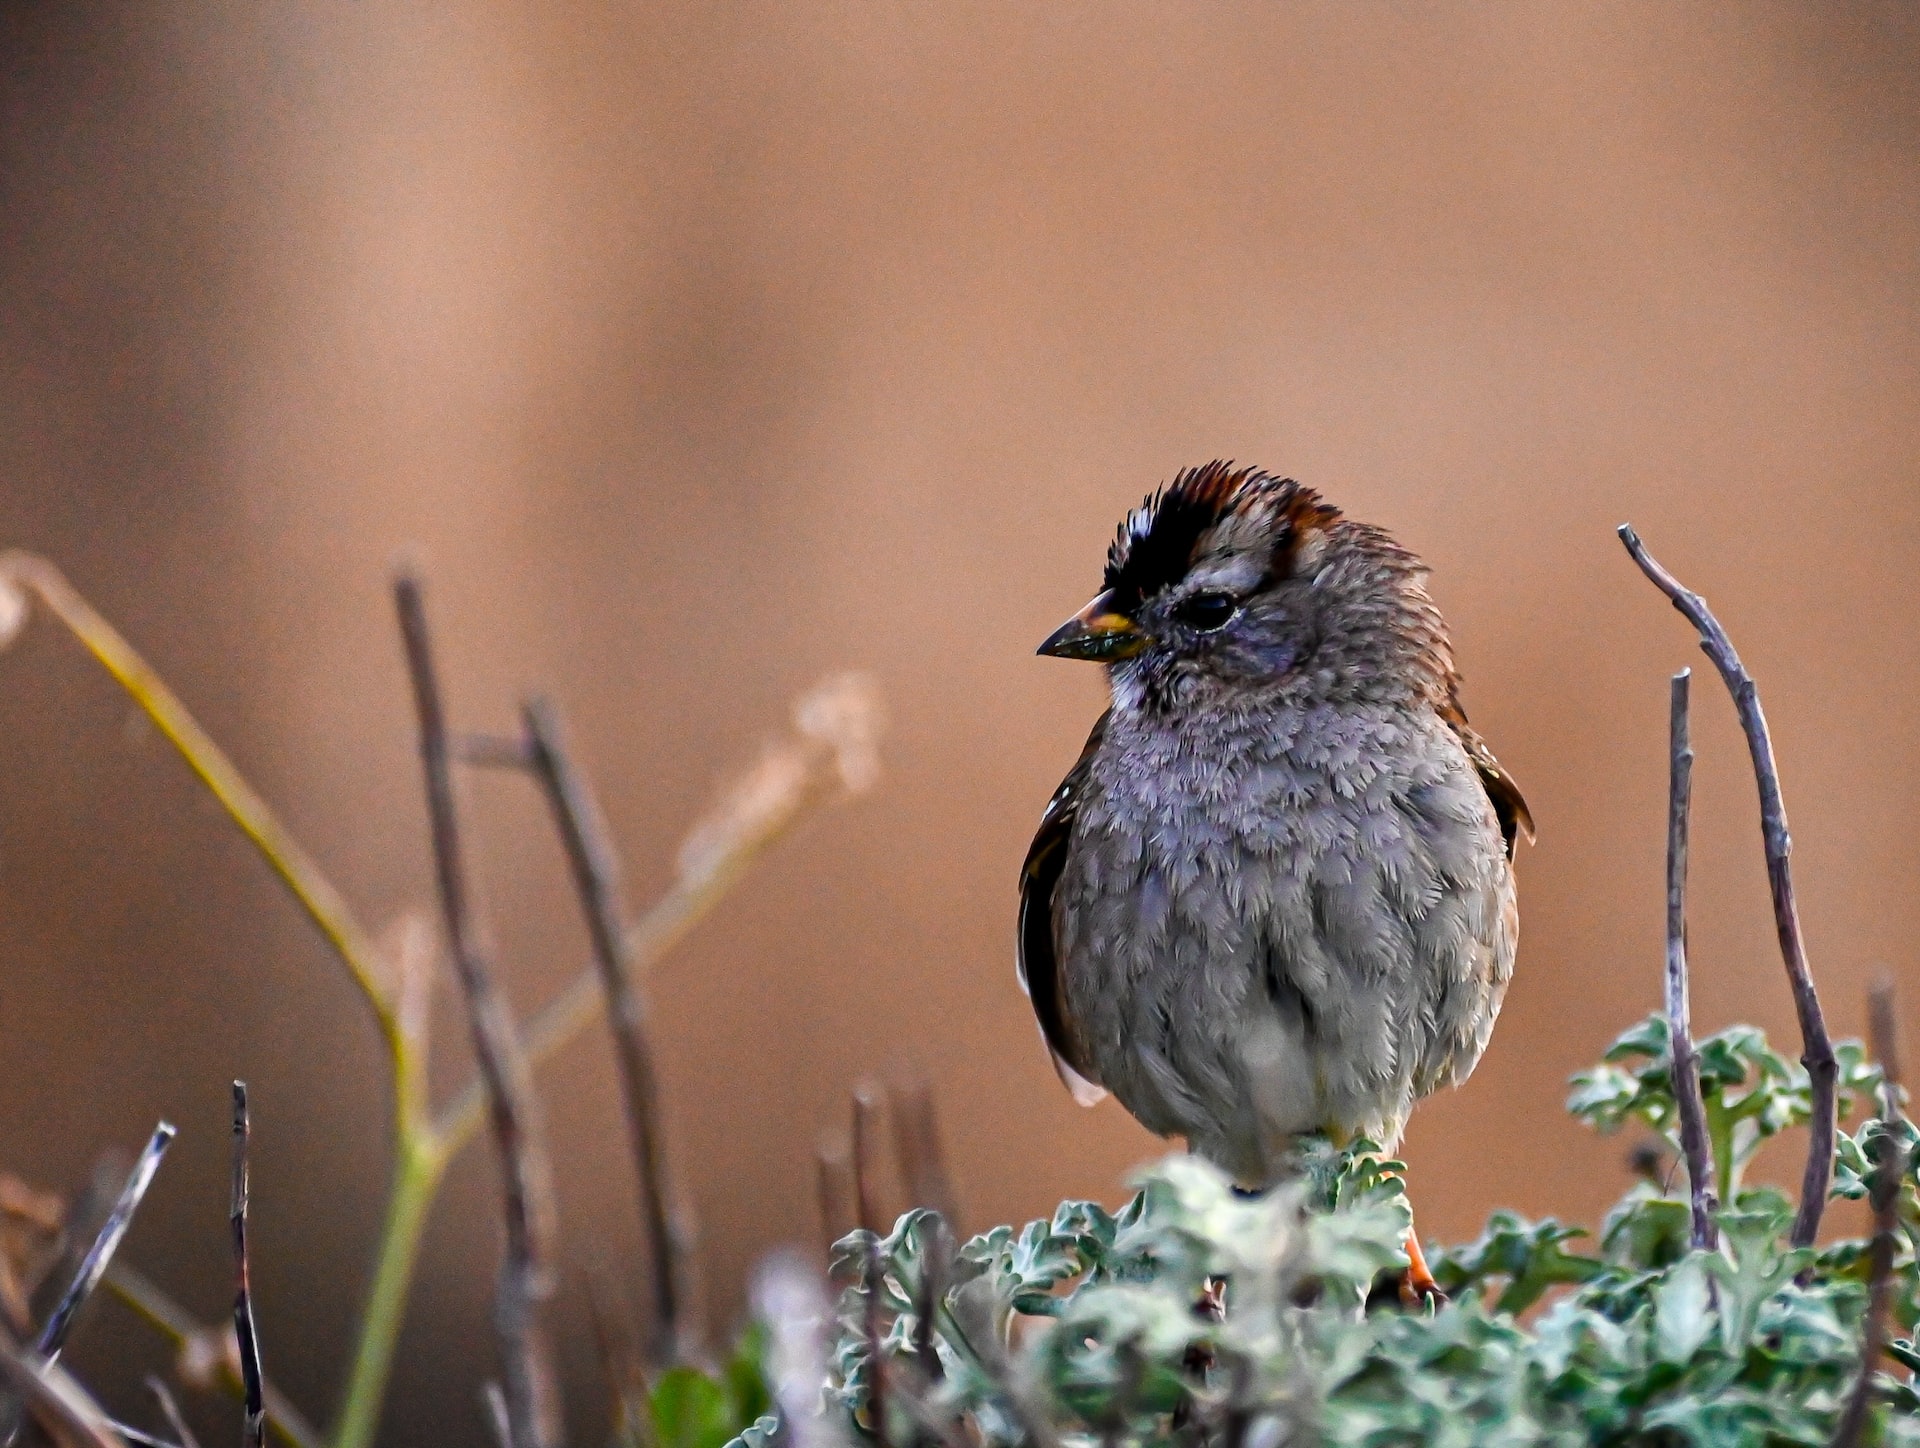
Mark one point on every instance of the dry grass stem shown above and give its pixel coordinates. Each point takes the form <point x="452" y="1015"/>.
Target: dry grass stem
<point x="33" y="1229"/>
<point x="411" y="948"/>
<point x="869" y="1101"/>
<point x="1816" y="1047"/>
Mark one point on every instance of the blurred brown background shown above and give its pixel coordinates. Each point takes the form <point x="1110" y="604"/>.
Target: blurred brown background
<point x="698" y="350"/>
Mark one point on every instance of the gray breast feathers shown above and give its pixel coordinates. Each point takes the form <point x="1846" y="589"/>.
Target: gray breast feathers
<point x="1296" y="926"/>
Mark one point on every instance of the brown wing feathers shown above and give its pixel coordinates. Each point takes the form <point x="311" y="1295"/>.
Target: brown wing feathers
<point x="1038" y="962"/>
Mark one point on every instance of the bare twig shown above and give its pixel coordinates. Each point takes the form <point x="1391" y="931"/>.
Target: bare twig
<point x="410" y="946"/>
<point x="1889" y="1172"/>
<point x="916" y="1142"/>
<point x="23" y="575"/>
<point x="254" y="1430"/>
<point x="53" y="1335"/>
<point x="170" y="1410"/>
<point x="596" y="875"/>
<point x="526" y="1281"/>
<point x="1684" y="1062"/>
<point x="1816" y="1047"/>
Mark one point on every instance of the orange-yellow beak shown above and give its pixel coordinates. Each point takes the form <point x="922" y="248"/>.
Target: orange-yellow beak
<point x="1097" y="632"/>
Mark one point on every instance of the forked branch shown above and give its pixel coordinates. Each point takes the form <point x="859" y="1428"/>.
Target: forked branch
<point x="1816" y="1047"/>
<point x="526" y="1277"/>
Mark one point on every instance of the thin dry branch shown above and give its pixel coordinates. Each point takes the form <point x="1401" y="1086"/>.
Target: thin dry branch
<point x="253" y="1399"/>
<point x="1889" y="1172"/>
<point x="1816" y="1047"/>
<point x="1684" y="1062"/>
<point x="596" y="875"/>
<point x="526" y="1280"/>
<point x="53" y="1335"/>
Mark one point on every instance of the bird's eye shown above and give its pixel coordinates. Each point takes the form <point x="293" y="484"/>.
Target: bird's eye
<point x="1206" y="611"/>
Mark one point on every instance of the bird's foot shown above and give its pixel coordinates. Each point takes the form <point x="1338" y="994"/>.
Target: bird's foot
<point x="1417" y="1287"/>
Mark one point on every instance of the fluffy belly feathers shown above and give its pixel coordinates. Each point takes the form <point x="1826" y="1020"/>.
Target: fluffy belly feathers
<point x="1309" y="932"/>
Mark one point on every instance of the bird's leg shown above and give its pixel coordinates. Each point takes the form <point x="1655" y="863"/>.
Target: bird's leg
<point x="1417" y="1287"/>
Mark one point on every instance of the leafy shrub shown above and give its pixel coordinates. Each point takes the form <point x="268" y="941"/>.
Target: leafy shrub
<point x="1199" y="1314"/>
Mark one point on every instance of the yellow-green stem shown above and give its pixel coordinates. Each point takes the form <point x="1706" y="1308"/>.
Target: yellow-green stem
<point x="420" y="1161"/>
<point x="324" y="905"/>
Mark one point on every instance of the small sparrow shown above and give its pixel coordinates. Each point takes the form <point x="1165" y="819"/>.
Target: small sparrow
<point x="1275" y="895"/>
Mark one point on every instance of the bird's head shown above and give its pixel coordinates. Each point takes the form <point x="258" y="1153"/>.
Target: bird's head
<point x="1229" y="584"/>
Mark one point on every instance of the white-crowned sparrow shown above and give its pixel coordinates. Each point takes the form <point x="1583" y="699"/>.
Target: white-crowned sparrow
<point x="1275" y="895"/>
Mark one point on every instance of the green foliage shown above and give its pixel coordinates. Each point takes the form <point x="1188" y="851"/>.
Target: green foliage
<point x="1197" y="1314"/>
<point x="687" y="1407"/>
<point x="1751" y="1092"/>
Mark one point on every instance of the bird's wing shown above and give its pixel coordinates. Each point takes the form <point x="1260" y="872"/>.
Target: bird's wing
<point x="1509" y="805"/>
<point x="1036" y="957"/>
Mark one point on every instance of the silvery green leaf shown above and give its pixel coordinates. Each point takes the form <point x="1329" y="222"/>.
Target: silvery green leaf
<point x="1683" y="1314"/>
